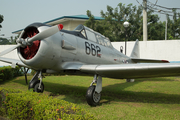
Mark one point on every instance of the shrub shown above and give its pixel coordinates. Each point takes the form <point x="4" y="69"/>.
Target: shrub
<point x="29" y="105"/>
<point x="7" y="72"/>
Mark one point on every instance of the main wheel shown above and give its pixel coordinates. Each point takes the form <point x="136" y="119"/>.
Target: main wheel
<point x="92" y="96"/>
<point x="36" y="87"/>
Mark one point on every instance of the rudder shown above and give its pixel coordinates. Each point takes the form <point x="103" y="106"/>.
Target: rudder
<point x="135" y="52"/>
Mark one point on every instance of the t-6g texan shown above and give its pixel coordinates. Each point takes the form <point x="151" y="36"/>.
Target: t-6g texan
<point x="50" y="49"/>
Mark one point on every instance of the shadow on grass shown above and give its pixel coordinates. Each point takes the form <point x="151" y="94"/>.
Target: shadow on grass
<point x="155" y="79"/>
<point x="76" y="94"/>
<point x="6" y="81"/>
<point x="142" y="97"/>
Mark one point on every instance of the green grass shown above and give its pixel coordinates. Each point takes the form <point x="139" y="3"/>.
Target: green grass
<point x="145" y="99"/>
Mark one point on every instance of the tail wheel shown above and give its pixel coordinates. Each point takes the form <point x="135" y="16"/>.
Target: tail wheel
<point x="92" y="96"/>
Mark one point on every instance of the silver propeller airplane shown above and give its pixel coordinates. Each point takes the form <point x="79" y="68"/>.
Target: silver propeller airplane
<point x="50" y="49"/>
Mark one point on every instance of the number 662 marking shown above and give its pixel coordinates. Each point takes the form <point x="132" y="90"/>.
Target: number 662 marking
<point x="92" y="49"/>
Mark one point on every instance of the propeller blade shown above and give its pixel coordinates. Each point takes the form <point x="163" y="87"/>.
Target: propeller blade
<point x="9" y="49"/>
<point x="20" y="36"/>
<point x="46" y="33"/>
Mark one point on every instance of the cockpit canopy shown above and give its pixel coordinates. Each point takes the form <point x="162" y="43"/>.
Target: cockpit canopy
<point x="93" y="36"/>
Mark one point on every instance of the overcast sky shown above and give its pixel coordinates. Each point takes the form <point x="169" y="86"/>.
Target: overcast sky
<point x="20" y="13"/>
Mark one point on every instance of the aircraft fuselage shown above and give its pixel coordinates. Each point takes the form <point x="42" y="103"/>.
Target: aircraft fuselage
<point x="63" y="47"/>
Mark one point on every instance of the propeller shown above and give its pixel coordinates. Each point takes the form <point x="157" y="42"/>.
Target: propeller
<point x="42" y="35"/>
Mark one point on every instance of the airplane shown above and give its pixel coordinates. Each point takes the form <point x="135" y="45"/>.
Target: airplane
<point x="51" y="49"/>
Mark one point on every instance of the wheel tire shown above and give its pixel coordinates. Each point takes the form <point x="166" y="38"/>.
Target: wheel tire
<point x="92" y="97"/>
<point x="36" y="87"/>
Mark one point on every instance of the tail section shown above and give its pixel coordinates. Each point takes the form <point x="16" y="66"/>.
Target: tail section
<point x="135" y="56"/>
<point x="135" y="52"/>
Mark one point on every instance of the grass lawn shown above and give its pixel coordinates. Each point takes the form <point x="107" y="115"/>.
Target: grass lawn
<point x="145" y="99"/>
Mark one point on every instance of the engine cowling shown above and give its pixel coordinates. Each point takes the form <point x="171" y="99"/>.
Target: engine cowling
<point x="39" y="54"/>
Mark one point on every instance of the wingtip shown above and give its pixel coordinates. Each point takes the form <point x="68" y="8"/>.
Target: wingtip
<point x="60" y="26"/>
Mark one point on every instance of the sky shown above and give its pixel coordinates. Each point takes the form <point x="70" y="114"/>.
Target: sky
<point x="20" y="13"/>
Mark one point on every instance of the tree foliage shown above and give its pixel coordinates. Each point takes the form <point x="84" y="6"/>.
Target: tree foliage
<point x="155" y="27"/>
<point x="1" y="20"/>
<point x="173" y="26"/>
<point x="9" y="41"/>
<point x="112" y="25"/>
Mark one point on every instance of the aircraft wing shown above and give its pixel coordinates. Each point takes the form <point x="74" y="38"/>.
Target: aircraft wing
<point x="131" y="71"/>
<point x="14" y="62"/>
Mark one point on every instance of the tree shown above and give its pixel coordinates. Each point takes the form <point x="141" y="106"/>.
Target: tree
<point x="1" y="20"/>
<point x="173" y="31"/>
<point x="155" y="28"/>
<point x="10" y="41"/>
<point x="4" y="41"/>
<point x="112" y="25"/>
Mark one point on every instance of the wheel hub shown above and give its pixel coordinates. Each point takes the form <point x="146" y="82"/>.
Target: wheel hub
<point x="96" y="97"/>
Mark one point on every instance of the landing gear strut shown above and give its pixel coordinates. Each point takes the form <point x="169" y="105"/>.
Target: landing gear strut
<point x="37" y="84"/>
<point x="93" y="94"/>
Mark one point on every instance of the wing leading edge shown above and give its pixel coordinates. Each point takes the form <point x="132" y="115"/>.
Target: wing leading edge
<point x="131" y="71"/>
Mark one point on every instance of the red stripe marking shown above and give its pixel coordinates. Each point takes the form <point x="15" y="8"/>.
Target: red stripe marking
<point x="99" y="55"/>
<point x="165" y="61"/>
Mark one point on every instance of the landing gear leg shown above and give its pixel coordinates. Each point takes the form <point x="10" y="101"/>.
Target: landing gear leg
<point x="25" y="74"/>
<point x="93" y="94"/>
<point x="37" y="84"/>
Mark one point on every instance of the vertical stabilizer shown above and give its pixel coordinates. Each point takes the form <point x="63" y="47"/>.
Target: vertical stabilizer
<point x="135" y="52"/>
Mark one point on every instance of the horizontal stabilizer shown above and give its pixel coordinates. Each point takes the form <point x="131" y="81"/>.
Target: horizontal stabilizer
<point x="139" y="60"/>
